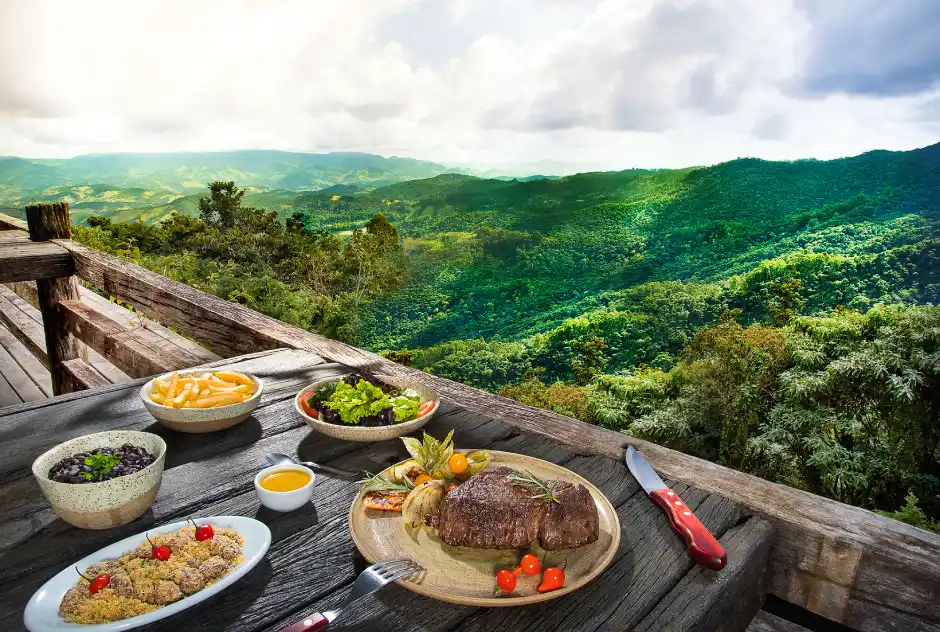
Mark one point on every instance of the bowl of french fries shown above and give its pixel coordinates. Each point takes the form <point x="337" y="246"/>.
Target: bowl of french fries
<point x="201" y="400"/>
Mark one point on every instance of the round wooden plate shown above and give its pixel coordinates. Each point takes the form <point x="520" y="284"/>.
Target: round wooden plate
<point x="468" y="576"/>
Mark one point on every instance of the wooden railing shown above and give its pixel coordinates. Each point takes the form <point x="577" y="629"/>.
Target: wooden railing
<point x="842" y="562"/>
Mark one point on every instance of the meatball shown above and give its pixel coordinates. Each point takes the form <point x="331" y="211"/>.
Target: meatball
<point x="121" y="585"/>
<point x="166" y="592"/>
<point x="213" y="568"/>
<point x="145" y="590"/>
<point x="105" y="566"/>
<point x="177" y="542"/>
<point x="70" y="601"/>
<point x="193" y="562"/>
<point x="144" y="552"/>
<point x="190" y="581"/>
<point x="226" y="547"/>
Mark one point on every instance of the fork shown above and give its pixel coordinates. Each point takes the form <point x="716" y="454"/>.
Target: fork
<point x="369" y="581"/>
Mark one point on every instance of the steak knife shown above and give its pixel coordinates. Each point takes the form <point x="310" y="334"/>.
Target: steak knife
<point x="703" y="547"/>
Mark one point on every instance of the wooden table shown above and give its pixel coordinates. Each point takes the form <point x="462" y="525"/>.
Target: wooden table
<point x="652" y="584"/>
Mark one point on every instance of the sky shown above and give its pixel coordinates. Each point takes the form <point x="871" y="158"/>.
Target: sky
<point x="549" y="86"/>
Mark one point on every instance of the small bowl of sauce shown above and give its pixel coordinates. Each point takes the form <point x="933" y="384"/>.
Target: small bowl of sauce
<point x="284" y="487"/>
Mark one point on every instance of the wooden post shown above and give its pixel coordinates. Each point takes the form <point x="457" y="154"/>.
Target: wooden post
<point x="51" y="221"/>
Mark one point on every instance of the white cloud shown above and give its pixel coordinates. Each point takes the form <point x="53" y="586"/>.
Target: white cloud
<point x="553" y="84"/>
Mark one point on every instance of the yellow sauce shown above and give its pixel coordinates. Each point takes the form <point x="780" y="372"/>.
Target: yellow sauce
<point x="285" y="480"/>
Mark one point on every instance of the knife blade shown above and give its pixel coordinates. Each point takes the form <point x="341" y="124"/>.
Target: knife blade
<point x="702" y="545"/>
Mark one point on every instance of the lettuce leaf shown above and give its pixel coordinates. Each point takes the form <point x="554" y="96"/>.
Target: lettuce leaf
<point x="355" y="402"/>
<point x="406" y="406"/>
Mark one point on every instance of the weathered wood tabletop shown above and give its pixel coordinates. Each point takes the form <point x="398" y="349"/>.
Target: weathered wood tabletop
<point x="651" y="585"/>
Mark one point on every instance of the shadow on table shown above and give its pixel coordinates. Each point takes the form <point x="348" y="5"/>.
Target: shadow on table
<point x="184" y="447"/>
<point x="222" y="612"/>
<point x="284" y="524"/>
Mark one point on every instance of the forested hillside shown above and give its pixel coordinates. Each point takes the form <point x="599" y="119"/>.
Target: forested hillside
<point x="774" y="317"/>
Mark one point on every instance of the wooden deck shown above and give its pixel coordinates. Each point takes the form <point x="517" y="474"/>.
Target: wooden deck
<point x="23" y="374"/>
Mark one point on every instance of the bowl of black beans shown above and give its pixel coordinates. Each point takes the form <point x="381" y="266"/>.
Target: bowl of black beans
<point x="102" y="480"/>
<point x="101" y="464"/>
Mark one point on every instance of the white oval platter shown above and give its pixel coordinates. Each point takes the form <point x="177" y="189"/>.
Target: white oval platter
<point x="42" y="611"/>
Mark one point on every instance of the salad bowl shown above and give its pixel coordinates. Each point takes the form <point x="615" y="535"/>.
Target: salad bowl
<point x="355" y="432"/>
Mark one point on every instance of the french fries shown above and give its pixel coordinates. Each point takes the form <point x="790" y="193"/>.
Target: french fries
<point x="205" y="390"/>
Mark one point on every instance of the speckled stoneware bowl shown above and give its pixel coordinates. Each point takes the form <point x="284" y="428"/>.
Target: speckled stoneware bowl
<point x="108" y="503"/>
<point x="350" y="432"/>
<point x="201" y="419"/>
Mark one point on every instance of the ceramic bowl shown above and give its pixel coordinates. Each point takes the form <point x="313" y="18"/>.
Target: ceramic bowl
<point x="351" y="432"/>
<point x="284" y="501"/>
<point x="108" y="503"/>
<point x="200" y="419"/>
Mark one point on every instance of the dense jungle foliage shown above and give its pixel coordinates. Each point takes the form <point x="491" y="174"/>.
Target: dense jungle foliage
<point x="773" y="317"/>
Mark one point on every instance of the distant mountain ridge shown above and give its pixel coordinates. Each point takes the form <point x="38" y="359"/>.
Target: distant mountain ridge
<point x="189" y="172"/>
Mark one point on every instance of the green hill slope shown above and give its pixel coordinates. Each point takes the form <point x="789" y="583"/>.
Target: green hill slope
<point x="498" y="259"/>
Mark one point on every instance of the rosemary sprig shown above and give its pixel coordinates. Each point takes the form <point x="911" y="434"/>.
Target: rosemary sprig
<point x="376" y="483"/>
<point x="542" y="490"/>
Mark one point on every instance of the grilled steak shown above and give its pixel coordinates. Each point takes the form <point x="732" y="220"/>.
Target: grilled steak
<point x="491" y="512"/>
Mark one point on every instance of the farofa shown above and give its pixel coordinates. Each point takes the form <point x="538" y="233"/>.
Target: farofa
<point x="140" y="584"/>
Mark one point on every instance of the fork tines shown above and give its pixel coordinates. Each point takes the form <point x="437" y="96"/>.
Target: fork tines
<point x="391" y="570"/>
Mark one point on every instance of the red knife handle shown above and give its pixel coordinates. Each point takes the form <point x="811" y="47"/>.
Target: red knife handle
<point x="703" y="547"/>
<point x="315" y="622"/>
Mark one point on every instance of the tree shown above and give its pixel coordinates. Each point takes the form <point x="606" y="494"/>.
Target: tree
<point x="223" y="205"/>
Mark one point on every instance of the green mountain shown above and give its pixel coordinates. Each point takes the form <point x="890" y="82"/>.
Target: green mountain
<point x="24" y="179"/>
<point x="508" y="259"/>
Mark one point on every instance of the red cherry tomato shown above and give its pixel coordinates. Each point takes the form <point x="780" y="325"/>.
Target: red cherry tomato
<point x="99" y="583"/>
<point x="203" y="531"/>
<point x="506" y="580"/>
<point x="530" y="564"/>
<point x="552" y="579"/>
<point x="308" y="409"/>
<point x="425" y="407"/>
<point x="161" y="552"/>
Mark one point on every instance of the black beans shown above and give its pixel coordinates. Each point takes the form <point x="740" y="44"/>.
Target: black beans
<point x="89" y="467"/>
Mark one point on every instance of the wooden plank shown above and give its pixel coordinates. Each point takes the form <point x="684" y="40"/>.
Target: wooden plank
<point x="132" y="319"/>
<point x="766" y="622"/>
<point x="51" y="221"/>
<point x="117" y="344"/>
<point x="16" y="377"/>
<point x="34" y="339"/>
<point x="26" y="330"/>
<point x="8" y="222"/>
<point x="725" y="601"/>
<point x="83" y="375"/>
<point x="157" y="335"/>
<point x="13" y="236"/>
<point x="27" y="361"/>
<point x="8" y="396"/>
<point x="27" y="261"/>
<point x="207" y="319"/>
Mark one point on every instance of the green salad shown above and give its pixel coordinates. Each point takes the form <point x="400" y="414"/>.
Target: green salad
<point x="365" y="401"/>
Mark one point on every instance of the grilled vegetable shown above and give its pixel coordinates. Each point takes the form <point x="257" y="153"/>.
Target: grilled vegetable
<point x="409" y="469"/>
<point x="384" y="501"/>
<point x="423" y="500"/>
